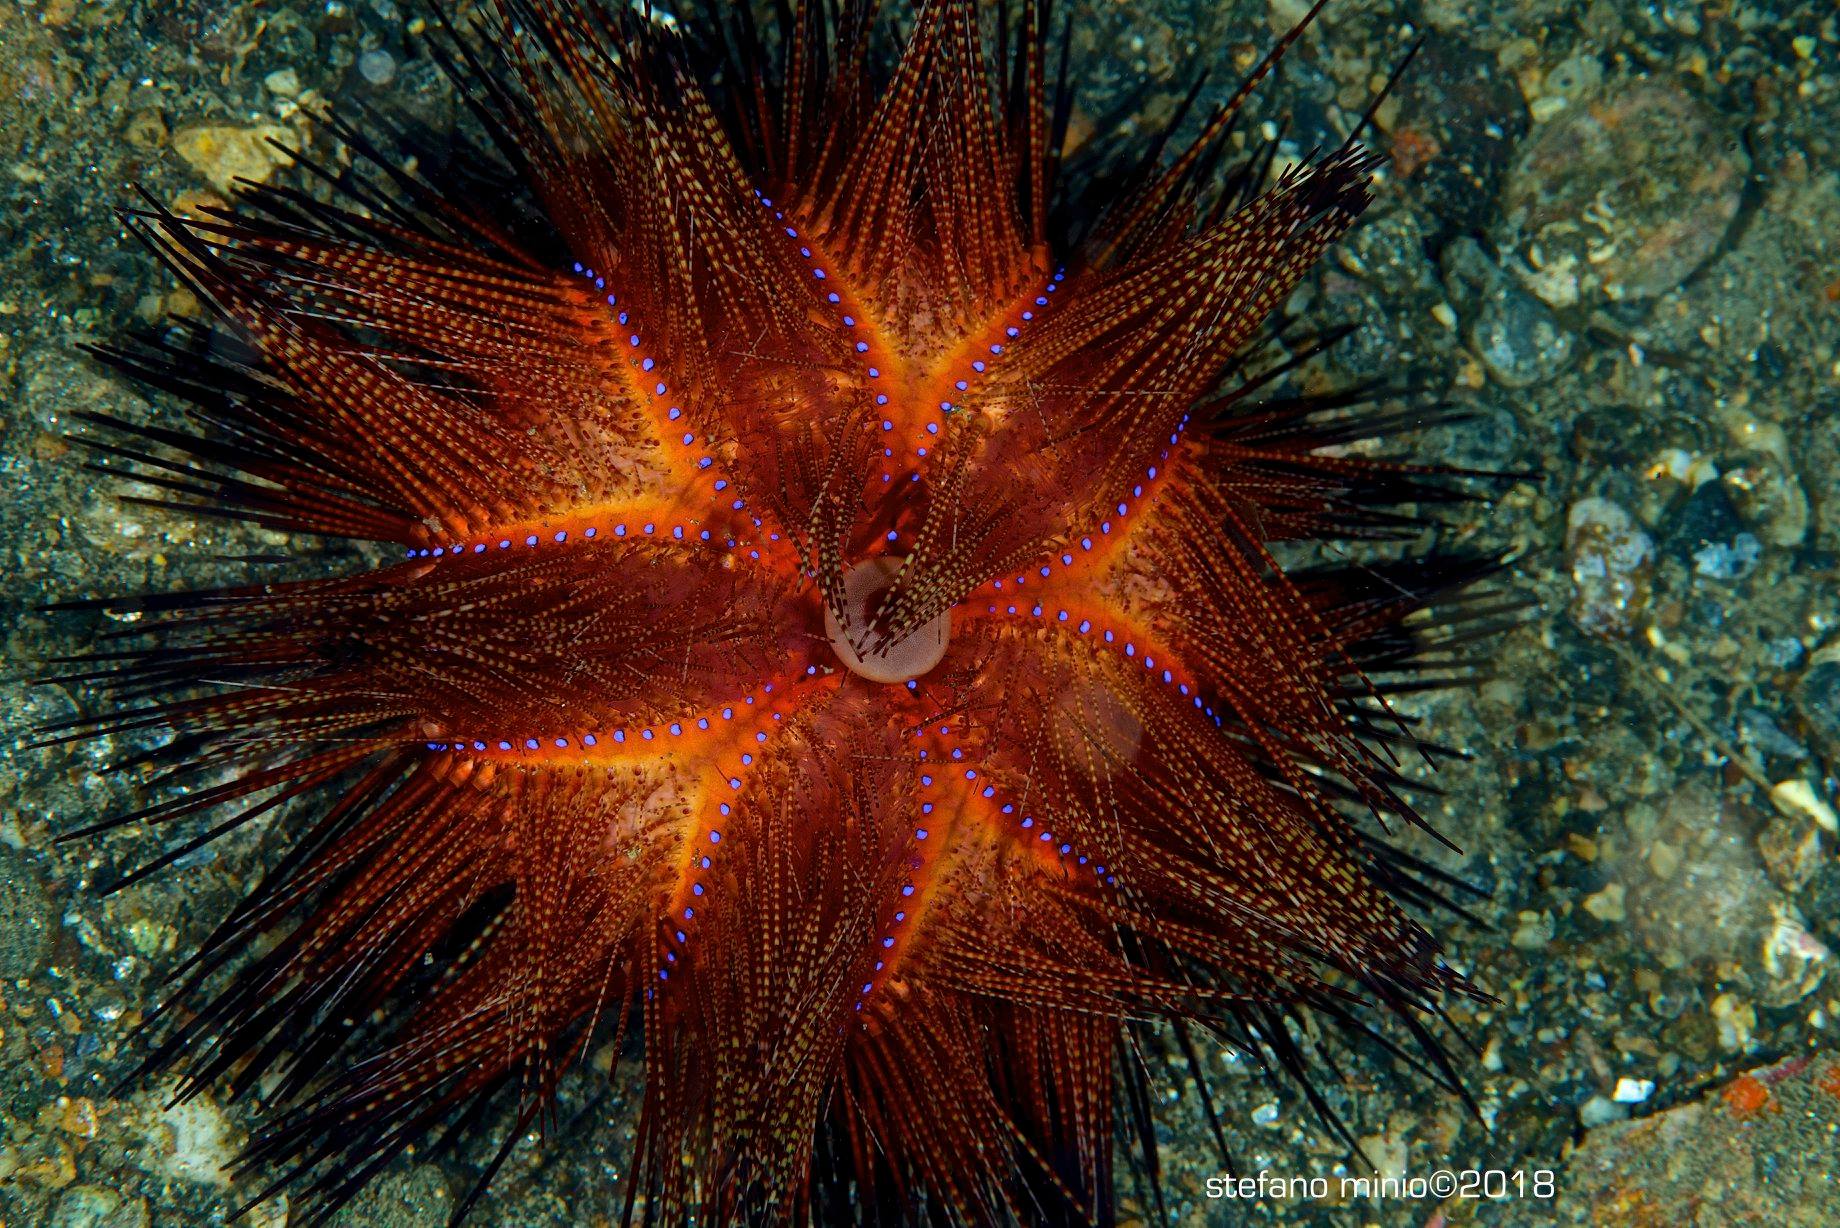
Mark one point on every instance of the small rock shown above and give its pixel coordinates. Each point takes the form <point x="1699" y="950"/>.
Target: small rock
<point x="1760" y="731"/>
<point x="283" y="83"/>
<point x="1386" y="1152"/>
<point x="1574" y="79"/>
<point x="1611" y="558"/>
<point x="1797" y="796"/>
<point x="1663" y="859"/>
<point x="1546" y="106"/>
<point x="74" y="1115"/>
<point x="1728" y="560"/>
<point x="1736" y="1020"/>
<point x="1817" y="695"/>
<point x="1607" y="905"/>
<point x="1632" y="1091"/>
<point x="151" y="936"/>
<point x="192" y="1141"/>
<point x="1770" y="499"/>
<point x="97" y="1206"/>
<point x="1792" y="853"/>
<point x="1601" y="1111"/>
<point x="377" y="67"/>
<point x="1283" y="16"/>
<point x="1704" y="517"/>
<point x="1717" y="904"/>
<point x="1518" y="339"/>
<point x="145" y="129"/>
<point x="1532" y="930"/>
<point x="1784" y="652"/>
<point x="1794" y="960"/>
<point x="225" y="153"/>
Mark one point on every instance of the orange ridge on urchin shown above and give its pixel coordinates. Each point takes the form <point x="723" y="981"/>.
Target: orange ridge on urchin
<point x="837" y="632"/>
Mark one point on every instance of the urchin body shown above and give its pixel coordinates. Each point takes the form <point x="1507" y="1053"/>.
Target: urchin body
<point x="835" y="629"/>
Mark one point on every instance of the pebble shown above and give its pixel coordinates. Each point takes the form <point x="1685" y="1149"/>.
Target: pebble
<point x="1573" y="79"/>
<point x="1516" y="337"/>
<point x="1794" y="960"/>
<point x="1519" y="340"/>
<point x="1728" y="560"/>
<point x="1663" y="859"/>
<point x="1760" y="730"/>
<point x="283" y="83"/>
<point x="1607" y="905"/>
<point x="225" y="153"/>
<point x="1387" y="1152"/>
<point x="377" y="67"/>
<point x="1284" y="15"/>
<point x="97" y="1206"/>
<point x="1632" y="1091"/>
<point x="1620" y="194"/>
<point x="1705" y="517"/>
<point x="1611" y="557"/>
<point x="1532" y="930"/>
<point x="1793" y="853"/>
<point x="1736" y="1020"/>
<point x="1797" y="796"/>
<point x="1769" y="496"/>
<point x="1719" y="909"/>
<point x="151" y="936"/>
<point x="145" y="129"/>
<point x="1601" y="1111"/>
<point x="194" y="1142"/>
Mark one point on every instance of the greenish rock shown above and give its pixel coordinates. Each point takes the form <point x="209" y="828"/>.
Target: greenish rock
<point x="416" y="1197"/>
<point x="27" y="925"/>
<point x="98" y="1206"/>
<point x="1818" y="693"/>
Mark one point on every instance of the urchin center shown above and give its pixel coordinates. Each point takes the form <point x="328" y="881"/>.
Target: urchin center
<point x="862" y="648"/>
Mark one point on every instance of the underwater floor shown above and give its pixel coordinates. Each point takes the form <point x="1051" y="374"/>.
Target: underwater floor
<point x="1609" y="234"/>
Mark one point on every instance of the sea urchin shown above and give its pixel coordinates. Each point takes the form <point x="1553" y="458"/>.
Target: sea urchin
<point x="834" y="630"/>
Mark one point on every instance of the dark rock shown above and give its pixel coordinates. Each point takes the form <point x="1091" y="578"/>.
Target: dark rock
<point x="1459" y="119"/>
<point x="1706" y="517"/>
<point x="98" y="1206"/>
<point x="1485" y="437"/>
<point x="1630" y="437"/>
<point x="1516" y="337"/>
<point x="1818" y="694"/>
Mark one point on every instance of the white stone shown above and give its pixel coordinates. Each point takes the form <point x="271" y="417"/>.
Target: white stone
<point x="1632" y="1091"/>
